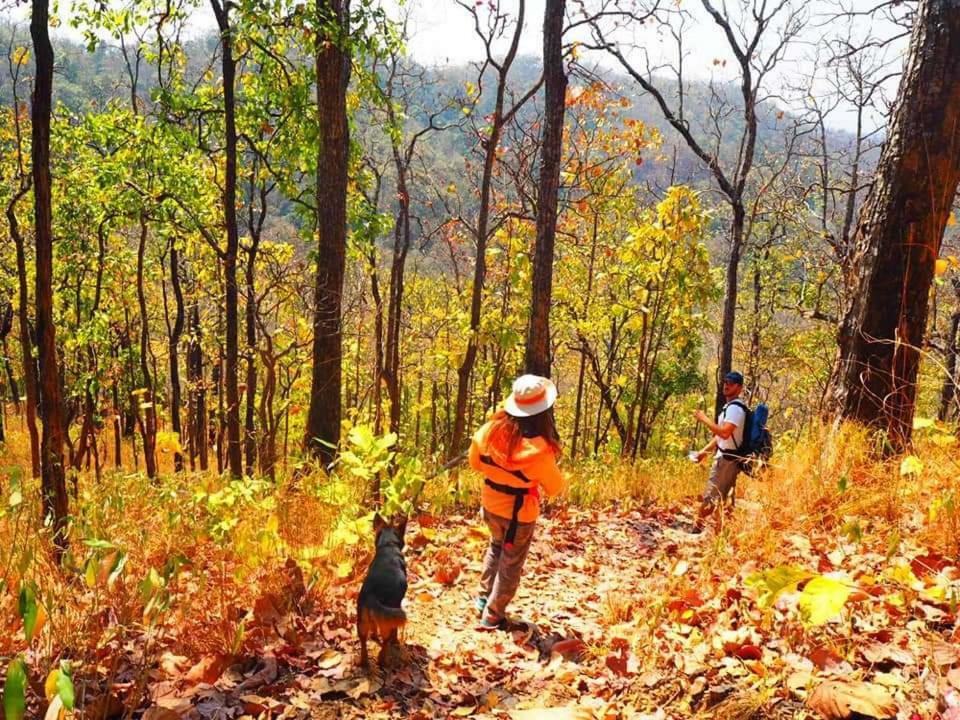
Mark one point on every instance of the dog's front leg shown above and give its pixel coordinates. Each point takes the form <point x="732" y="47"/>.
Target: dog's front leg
<point x="390" y="641"/>
<point x="364" y="657"/>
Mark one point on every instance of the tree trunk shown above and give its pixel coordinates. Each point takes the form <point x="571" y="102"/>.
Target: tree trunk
<point x="378" y="350"/>
<point x="30" y="372"/>
<point x="401" y="246"/>
<point x="581" y="372"/>
<point x="333" y="75"/>
<point x="174" y="351"/>
<point x="728" y="326"/>
<point x="147" y="401"/>
<point x="490" y="145"/>
<point x="899" y="232"/>
<point x="249" y="428"/>
<point x="948" y="393"/>
<point x="117" y="426"/>
<point x="538" y="358"/>
<point x="198" y="391"/>
<point x="465" y="371"/>
<point x="53" y="481"/>
<point x="231" y="352"/>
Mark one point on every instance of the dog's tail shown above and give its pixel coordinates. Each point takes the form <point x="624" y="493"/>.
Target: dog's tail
<point x="385" y="611"/>
<point x="375" y="618"/>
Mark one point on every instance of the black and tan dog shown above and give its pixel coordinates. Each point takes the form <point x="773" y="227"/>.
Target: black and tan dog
<point x="378" y="606"/>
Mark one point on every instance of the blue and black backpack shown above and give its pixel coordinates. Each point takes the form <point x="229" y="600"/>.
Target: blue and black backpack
<point x="757" y="446"/>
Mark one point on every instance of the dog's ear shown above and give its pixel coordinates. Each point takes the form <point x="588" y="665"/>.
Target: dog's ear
<point x="401" y="525"/>
<point x="378" y="523"/>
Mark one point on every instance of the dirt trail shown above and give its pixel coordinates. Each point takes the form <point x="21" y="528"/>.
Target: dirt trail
<point x="571" y="645"/>
<point x="626" y="613"/>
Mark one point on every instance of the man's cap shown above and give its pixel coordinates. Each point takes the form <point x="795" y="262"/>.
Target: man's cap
<point x="734" y="377"/>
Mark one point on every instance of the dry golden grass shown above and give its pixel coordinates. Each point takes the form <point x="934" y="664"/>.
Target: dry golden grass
<point x="215" y="550"/>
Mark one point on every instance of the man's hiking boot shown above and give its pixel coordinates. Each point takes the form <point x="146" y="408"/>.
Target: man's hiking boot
<point x="480" y="604"/>
<point x="489" y="622"/>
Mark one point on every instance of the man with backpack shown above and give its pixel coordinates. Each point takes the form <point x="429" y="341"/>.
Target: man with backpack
<point x="728" y="440"/>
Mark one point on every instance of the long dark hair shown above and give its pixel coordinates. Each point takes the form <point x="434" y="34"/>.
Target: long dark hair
<point x="507" y="430"/>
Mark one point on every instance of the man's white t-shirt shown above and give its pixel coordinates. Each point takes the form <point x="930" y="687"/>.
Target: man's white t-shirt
<point x="734" y="413"/>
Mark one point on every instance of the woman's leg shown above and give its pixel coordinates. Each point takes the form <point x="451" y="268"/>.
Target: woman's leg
<point x="491" y="562"/>
<point x="508" y="573"/>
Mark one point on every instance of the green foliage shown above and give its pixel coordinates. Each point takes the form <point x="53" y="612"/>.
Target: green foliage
<point x="14" y="690"/>
<point x="222" y="508"/>
<point x="65" y="684"/>
<point x="371" y="457"/>
<point x="27" y="604"/>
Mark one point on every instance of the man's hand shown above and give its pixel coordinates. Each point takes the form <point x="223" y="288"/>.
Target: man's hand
<point x="701" y="416"/>
<point x="700" y="456"/>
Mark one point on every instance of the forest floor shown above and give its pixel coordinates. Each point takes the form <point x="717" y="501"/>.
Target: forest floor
<point x="622" y="613"/>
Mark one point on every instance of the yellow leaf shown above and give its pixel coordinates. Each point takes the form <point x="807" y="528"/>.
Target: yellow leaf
<point x="344" y="569"/>
<point x="951" y="219"/>
<point x="941" y="266"/>
<point x="911" y="465"/>
<point x="919" y="423"/>
<point x="903" y="574"/>
<point x="943" y="440"/>
<point x="20" y="56"/>
<point x="822" y="598"/>
<point x="50" y="686"/>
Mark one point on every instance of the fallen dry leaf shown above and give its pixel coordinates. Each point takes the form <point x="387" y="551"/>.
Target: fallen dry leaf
<point x="447" y="573"/>
<point x="570" y="649"/>
<point x="209" y="668"/>
<point x="824" y="657"/>
<point x="883" y="652"/>
<point x="266" y="675"/>
<point x="255" y="704"/>
<point x="837" y="700"/>
<point x="160" y="713"/>
<point x="572" y="712"/>
<point x="328" y="659"/>
<point x="943" y="653"/>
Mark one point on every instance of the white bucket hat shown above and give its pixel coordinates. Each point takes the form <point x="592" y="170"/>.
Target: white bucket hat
<point x="531" y="395"/>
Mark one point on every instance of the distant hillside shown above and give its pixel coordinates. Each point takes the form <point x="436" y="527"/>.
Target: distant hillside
<point x="87" y="81"/>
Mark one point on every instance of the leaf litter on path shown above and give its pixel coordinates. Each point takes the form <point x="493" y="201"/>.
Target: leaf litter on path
<point x="621" y="613"/>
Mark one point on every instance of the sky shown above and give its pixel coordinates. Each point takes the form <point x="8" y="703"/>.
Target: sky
<point x="441" y="33"/>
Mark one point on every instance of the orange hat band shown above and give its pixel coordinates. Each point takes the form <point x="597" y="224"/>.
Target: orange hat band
<point x="531" y="399"/>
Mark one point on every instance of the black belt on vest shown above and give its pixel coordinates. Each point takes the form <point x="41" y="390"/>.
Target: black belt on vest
<point x="518" y="494"/>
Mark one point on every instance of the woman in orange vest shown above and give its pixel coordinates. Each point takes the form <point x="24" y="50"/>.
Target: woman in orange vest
<point x="517" y="452"/>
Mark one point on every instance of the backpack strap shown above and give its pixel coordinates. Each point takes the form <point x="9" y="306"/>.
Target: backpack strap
<point x="746" y="412"/>
<point x="518" y="493"/>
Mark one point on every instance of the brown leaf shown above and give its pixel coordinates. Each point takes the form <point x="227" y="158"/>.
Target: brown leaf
<point x="160" y="713"/>
<point x="171" y="663"/>
<point x="925" y="565"/>
<point x="106" y="706"/>
<point x="573" y="712"/>
<point x="943" y="653"/>
<point x="447" y="574"/>
<point x="267" y="674"/>
<point x="953" y="677"/>
<point x="208" y="669"/>
<point x="885" y="652"/>
<point x="836" y="700"/>
<point x="749" y="652"/>
<point x="617" y="662"/>
<point x="329" y="659"/>
<point x="255" y="704"/>
<point x="823" y="657"/>
<point x="570" y="649"/>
